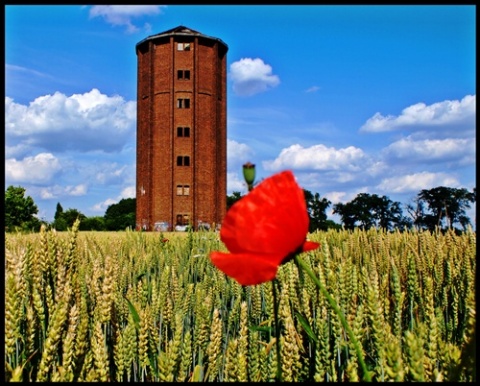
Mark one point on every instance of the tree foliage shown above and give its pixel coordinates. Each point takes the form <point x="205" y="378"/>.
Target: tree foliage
<point x="96" y="223"/>
<point x="370" y="210"/>
<point x="121" y="215"/>
<point x="65" y="219"/>
<point x="442" y="207"/>
<point x="58" y="211"/>
<point x="20" y="210"/>
<point x="317" y="211"/>
<point x="233" y="199"/>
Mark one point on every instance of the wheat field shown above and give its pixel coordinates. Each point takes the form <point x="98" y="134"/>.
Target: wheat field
<point x="128" y="306"/>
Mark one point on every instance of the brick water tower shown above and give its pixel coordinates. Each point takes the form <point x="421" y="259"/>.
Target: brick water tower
<point x="181" y="130"/>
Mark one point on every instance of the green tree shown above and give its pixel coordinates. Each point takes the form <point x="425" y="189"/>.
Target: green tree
<point x="233" y="199"/>
<point x="71" y="215"/>
<point x="96" y="223"/>
<point x="370" y="210"/>
<point x="317" y="211"/>
<point x="60" y="224"/>
<point x="347" y="213"/>
<point x="58" y="211"/>
<point x="121" y="215"/>
<point x="387" y="214"/>
<point x="443" y="207"/>
<point x="20" y="210"/>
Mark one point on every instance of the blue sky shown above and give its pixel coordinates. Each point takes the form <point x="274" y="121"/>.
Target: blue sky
<point x="376" y="99"/>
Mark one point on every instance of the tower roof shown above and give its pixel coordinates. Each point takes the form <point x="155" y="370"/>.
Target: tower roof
<point x="180" y="31"/>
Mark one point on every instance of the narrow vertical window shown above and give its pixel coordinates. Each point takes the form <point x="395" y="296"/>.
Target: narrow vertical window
<point x="179" y="219"/>
<point x="183" y="160"/>
<point x="183" y="190"/>
<point x="183" y="74"/>
<point x="183" y="103"/>
<point x="183" y="131"/>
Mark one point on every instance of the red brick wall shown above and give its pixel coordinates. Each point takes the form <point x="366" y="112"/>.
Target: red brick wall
<point x="158" y="118"/>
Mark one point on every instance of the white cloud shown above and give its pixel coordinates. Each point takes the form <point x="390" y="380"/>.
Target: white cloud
<point x="237" y="154"/>
<point x="111" y="174"/>
<point x="413" y="183"/>
<point x="442" y="114"/>
<point x="122" y="15"/>
<point x="128" y="192"/>
<point x="57" y="191"/>
<point x="41" y="168"/>
<point x="84" y="122"/>
<point x="319" y="158"/>
<point x="313" y="89"/>
<point x="236" y="183"/>
<point x="101" y="207"/>
<point x="77" y="190"/>
<point x="461" y="151"/>
<point x="252" y="76"/>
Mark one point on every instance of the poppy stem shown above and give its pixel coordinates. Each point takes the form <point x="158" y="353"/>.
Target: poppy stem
<point x="277" y="329"/>
<point x="334" y="305"/>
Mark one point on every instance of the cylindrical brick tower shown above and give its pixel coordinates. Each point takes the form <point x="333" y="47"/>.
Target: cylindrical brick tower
<point x="181" y="130"/>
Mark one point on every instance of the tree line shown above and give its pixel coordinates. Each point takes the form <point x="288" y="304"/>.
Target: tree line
<point x="437" y="208"/>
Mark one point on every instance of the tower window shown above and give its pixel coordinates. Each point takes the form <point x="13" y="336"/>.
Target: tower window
<point x="183" y="74"/>
<point x="183" y="160"/>
<point x="183" y="103"/>
<point x="183" y="219"/>
<point x="183" y="46"/>
<point x="183" y="190"/>
<point x="183" y="131"/>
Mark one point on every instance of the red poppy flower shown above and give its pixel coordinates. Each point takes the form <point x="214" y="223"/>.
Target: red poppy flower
<point x="263" y="230"/>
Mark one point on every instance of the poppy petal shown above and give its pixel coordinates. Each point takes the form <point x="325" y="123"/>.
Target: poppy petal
<point x="309" y="246"/>
<point x="247" y="269"/>
<point x="271" y="219"/>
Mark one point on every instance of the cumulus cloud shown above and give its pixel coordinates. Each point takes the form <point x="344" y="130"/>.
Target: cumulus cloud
<point x="101" y="207"/>
<point x="83" y="122"/>
<point x="57" y="191"/>
<point x="77" y="190"/>
<point x="319" y="158"/>
<point x="122" y="15"/>
<point x="111" y="174"/>
<point x="128" y="192"/>
<point x="236" y="183"/>
<point x="252" y="76"/>
<point x="413" y="183"/>
<point x="459" y="151"/>
<point x="41" y="169"/>
<point x="446" y="114"/>
<point x="237" y="154"/>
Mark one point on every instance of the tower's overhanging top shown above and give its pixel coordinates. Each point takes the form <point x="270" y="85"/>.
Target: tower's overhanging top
<point x="180" y="31"/>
